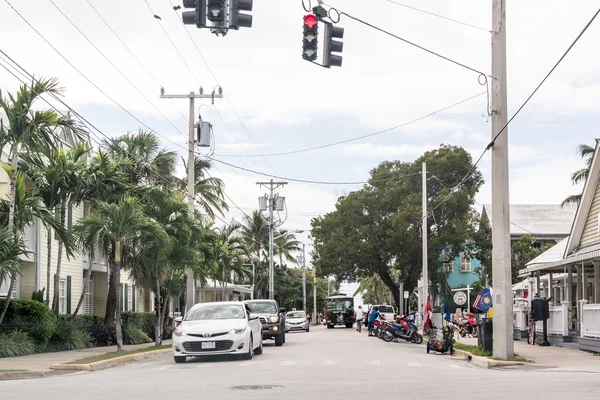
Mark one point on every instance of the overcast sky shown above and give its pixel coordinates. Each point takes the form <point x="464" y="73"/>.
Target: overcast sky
<point x="286" y="103"/>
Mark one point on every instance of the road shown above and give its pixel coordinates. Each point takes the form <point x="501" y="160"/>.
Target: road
<point x="321" y="364"/>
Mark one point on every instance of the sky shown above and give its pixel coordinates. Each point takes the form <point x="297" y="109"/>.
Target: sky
<point x="277" y="102"/>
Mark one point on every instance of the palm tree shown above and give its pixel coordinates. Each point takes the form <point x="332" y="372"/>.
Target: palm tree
<point x="116" y="227"/>
<point x="229" y="254"/>
<point x="12" y="248"/>
<point x="58" y="179"/>
<point x="586" y="153"/>
<point x="373" y="288"/>
<point x="284" y="244"/>
<point x="209" y="190"/>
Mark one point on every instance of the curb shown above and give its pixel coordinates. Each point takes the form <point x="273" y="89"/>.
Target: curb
<point x="484" y="362"/>
<point x="11" y="376"/>
<point x="113" y="362"/>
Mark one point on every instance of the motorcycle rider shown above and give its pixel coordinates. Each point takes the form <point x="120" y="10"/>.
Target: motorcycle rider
<point x="373" y="315"/>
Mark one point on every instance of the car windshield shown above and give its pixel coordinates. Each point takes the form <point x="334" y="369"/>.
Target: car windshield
<point x="216" y="311"/>
<point x="385" y="309"/>
<point x="296" y="314"/>
<point x="264" y="307"/>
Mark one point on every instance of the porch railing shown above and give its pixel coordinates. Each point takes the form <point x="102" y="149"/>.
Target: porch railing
<point x="520" y="318"/>
<point x="590" y="323"/>
<point x="558" y="323"/>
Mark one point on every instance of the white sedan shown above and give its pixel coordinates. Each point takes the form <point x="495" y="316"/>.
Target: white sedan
<point x="217" y="329"/>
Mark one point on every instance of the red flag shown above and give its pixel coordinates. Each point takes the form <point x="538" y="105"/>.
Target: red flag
<point x="427" y="312"/>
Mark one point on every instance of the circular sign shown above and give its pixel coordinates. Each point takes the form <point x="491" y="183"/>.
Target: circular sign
<point x="460" y="298"/>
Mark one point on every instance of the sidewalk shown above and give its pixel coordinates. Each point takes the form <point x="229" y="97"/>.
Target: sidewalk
<point x="552" y="357"/>
<point x="42" y="361"/>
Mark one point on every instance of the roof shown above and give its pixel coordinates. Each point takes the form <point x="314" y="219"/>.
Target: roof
<point x="554" y="253"/>
<point x="539" y="219"/>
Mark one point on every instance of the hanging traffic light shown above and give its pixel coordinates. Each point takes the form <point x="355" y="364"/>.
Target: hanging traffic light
<point x="197" y="17"/>
<point x="236" y="18"/>
<point x="331" y="45"/>
<point x="216" y="10"/>
<point x="309" y="39"/>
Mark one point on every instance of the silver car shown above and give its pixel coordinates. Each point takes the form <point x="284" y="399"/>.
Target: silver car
<point x="296" y="321"/>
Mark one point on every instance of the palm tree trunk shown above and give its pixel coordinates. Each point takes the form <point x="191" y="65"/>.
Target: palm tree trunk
<point x="86" y="284"/>
<point x="158" y="327"/>
<point x="117" y="317"/>
<point x="163" y="313"/>
<point x="48" y="263"/>
<point x="111" y="297"/>
<point x="63" y="214"/>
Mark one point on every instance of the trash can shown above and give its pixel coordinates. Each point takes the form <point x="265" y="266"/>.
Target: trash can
<point x="485" y="338"/>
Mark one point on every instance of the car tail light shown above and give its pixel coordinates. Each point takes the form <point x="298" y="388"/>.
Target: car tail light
<point x="395" y="316"/>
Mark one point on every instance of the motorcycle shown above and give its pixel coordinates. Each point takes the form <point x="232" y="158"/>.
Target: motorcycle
<point x="441" y="344"/>
<point x="467" y="325"/>
<point x="405" y="329"/>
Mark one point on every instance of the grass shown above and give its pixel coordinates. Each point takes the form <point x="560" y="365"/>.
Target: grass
<point x="115" y="354"/>
<point x="13" y="370"/>
<point x="476" y="351"/>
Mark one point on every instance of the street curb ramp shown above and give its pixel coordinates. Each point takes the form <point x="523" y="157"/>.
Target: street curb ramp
<point x="110" y="363"/>
<point x="484" y="362"/>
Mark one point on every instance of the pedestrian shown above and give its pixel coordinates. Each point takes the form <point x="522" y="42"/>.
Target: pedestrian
<point x="359" y="318"/>
<point x="372" y="317"/>
<point x="309" y="318"/>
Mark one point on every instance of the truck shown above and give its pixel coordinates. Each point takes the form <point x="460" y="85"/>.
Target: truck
<point x="339" y="310"/>
<point x="272" y="318"/>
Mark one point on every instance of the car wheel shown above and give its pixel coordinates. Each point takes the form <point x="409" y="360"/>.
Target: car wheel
<point x="283" y="336"/>
<point x="279" y="340"/>
<point x="250" y="353"/>
<point x="179" y="359"/>
<point x="259" y="349"/>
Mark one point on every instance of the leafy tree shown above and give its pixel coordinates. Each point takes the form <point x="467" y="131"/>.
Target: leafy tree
<point x="373" y="289"/>
<point x="522" y="252"/>
<point x="209" y="190"/>
<point x="586" y="153"/>
<point x="284" y="244"/>
<point x="378" y="227"/>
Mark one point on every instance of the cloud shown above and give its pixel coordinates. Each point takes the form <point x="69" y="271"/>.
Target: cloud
<point x="372" y="150"/>
<point x="240" y="147"/>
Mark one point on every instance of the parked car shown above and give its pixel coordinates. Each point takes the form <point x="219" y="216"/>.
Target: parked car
<point x="218" y="328"/>
<point x="296" y="321"/>
<point x="272" y="318"/>
<point x="387" y="311"/>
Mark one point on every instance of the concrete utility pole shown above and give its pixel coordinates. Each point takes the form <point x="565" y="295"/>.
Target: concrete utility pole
<point x="423" y="306"/>
<point x="315" y="293"/>
<point x="303" y="278"/>
<point x="191" y="286"/>
<point x="501" y="268"/>
<point x="271" y="206"/>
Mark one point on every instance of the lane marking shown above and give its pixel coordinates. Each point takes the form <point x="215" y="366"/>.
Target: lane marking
<point x="373" y="363"/>
<point x="328" y="362"/>
<point x="289" y="363"/>
<point x="414" y="365"/>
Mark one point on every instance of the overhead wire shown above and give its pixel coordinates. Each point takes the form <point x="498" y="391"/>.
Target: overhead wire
<point x="323" y="146"/>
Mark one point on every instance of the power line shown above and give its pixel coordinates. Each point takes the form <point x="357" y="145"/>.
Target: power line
<point x="311" y="181"/>
<point x="120" y="73"/>
<point x="437" y="15"/>
<point x="491" y="144"/>
<point x="359" y="137"/>
<point x="79" y="71"/>
<point x="409" y="42"/>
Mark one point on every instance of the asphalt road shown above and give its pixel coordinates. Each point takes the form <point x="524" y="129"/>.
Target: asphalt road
<point x="321" y="364"/>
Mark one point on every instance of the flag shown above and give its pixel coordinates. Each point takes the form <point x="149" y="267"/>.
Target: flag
<point x="427" y="313"/>
<point x="485" y="300"/>
<point x="477" y="299"/>
<point x="447" y="317"/>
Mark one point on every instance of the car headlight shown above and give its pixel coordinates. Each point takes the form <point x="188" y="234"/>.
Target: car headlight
<point x="273" y="319"/>
<point x="237" y="331"/>
<point x="179" y="333"/>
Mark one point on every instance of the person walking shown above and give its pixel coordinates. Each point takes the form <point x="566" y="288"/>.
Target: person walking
<point x="359" y="318"/>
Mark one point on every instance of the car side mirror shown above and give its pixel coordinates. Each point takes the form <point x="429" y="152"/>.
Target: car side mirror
<point x="282" y="310"/>
<point x="252" y="316"/>
<point x="178" y="321"/>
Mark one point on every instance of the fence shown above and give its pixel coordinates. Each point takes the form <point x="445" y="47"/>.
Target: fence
<point x="590" y="324"/>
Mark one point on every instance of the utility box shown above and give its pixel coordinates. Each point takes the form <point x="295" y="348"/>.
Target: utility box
<point x="485" y="336"/>
<point x="203" y="133"/>
<point x="540" y="309"/>
<point x="280" y="204"/>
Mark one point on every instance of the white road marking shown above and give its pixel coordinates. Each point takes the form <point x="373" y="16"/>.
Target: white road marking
<point x="414" y="365"/>
<point x="289" y="363"/>
<point x="373" y="363"/>
<point x="328" y="362"/>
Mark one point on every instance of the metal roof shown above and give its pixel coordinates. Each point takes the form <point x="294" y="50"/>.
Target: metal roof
<point x="554" y="253"/>
<point x="539" y="219"/>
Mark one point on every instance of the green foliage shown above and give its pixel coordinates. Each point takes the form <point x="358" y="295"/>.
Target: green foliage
<point x="522" y="252"/>
<point x="29" y="316"/>
<point x="99" y="333"/>
<point x="38" y="295"/>
<point x="136" y="336"/>
<point x="378" y="228"/>
<point x="15" y="344"/>
<point x="137" y="321"/>
<point x="69" y="335"/>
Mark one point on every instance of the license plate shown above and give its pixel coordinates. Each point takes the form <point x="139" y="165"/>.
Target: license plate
<point x="208" y="345"/>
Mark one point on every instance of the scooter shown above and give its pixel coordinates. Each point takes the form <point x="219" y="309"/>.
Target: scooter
<point x="443" y="344"/>
<point x="467" y="325"/>
<point x="404" y="329"/>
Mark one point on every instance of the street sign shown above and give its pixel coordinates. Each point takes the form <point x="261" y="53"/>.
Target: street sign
<point x="406" y="294"/>
<point x="460" y="298"/>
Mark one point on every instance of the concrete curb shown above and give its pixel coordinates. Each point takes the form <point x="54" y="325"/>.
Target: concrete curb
<point x="11" y="376"/>
<point x="113" y="362"/>
<point x="484" y="362"/>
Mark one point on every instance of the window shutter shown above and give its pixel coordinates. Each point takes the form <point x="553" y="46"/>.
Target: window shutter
<point x="121" y="296"/>
<point x="133" y="308"/>
<point x="68" y="294"/>
<point x="70" y="216"/>
<point x="126" y="297"/>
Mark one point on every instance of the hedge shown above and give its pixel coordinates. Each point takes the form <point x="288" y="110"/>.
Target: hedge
<point x="29" y="316"/>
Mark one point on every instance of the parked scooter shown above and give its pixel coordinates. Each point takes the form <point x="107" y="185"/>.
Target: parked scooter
<point x="441" y="344"/>
<point x="405" y="329"/>
<point x="467" y="325"/>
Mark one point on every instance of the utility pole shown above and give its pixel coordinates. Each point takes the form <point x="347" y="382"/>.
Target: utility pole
<point x="190" y="285"/>
<point x="315" y="293"/>
<point x="272" y="206"/>
<point x="424" y="230"/>
<point x="303" y="278"/>
<point x="501" y="268"/>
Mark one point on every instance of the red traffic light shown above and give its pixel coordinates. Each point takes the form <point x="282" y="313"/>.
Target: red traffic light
<point x="310" y="20"/>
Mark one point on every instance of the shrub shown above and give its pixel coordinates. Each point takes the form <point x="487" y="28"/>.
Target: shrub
<point x="136" y="336"/>
<point x="14" y="344"/>
<point x="168" y="332"/>
<point x="138" y="320"/>
<point x="99" y="333"/>
<point x="69" y="336"/>
<point x="29" y="316"/>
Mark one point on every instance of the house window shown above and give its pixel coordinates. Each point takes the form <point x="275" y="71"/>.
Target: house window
<point x="447" y="263"/>
<point x="62" y="296"/>
<point x="465" y="263"/>
<point x="129" y="298"/>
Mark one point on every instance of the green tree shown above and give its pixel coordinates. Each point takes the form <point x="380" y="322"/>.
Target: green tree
<point x="256" y="235"/>
<point x="378" y="227"/>
<point x="522" y="251"/>
<point x="373" y="289"/>
<point x="284" y="244"/>
<point x="209" y="190"/>
<point x="586" y="153"/>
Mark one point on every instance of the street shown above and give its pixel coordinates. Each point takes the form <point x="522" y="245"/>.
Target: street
<point x="323" y="364"/>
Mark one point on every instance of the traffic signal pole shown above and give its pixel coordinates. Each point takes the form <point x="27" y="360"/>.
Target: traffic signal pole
<point x="191" y="284"/>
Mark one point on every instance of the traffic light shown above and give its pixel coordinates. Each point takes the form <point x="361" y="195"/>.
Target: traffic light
<point x="216" y="10"/>
<point x="197" y="17"/>
<point x="236" y="18"/>
<point x="331" y="45"/>
<point x="309" y="39"/>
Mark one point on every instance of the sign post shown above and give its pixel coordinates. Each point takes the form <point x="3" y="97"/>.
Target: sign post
<point x="468" y="297"/>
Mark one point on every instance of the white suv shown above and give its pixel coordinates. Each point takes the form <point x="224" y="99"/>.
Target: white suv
<point x="385" y="310"/>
